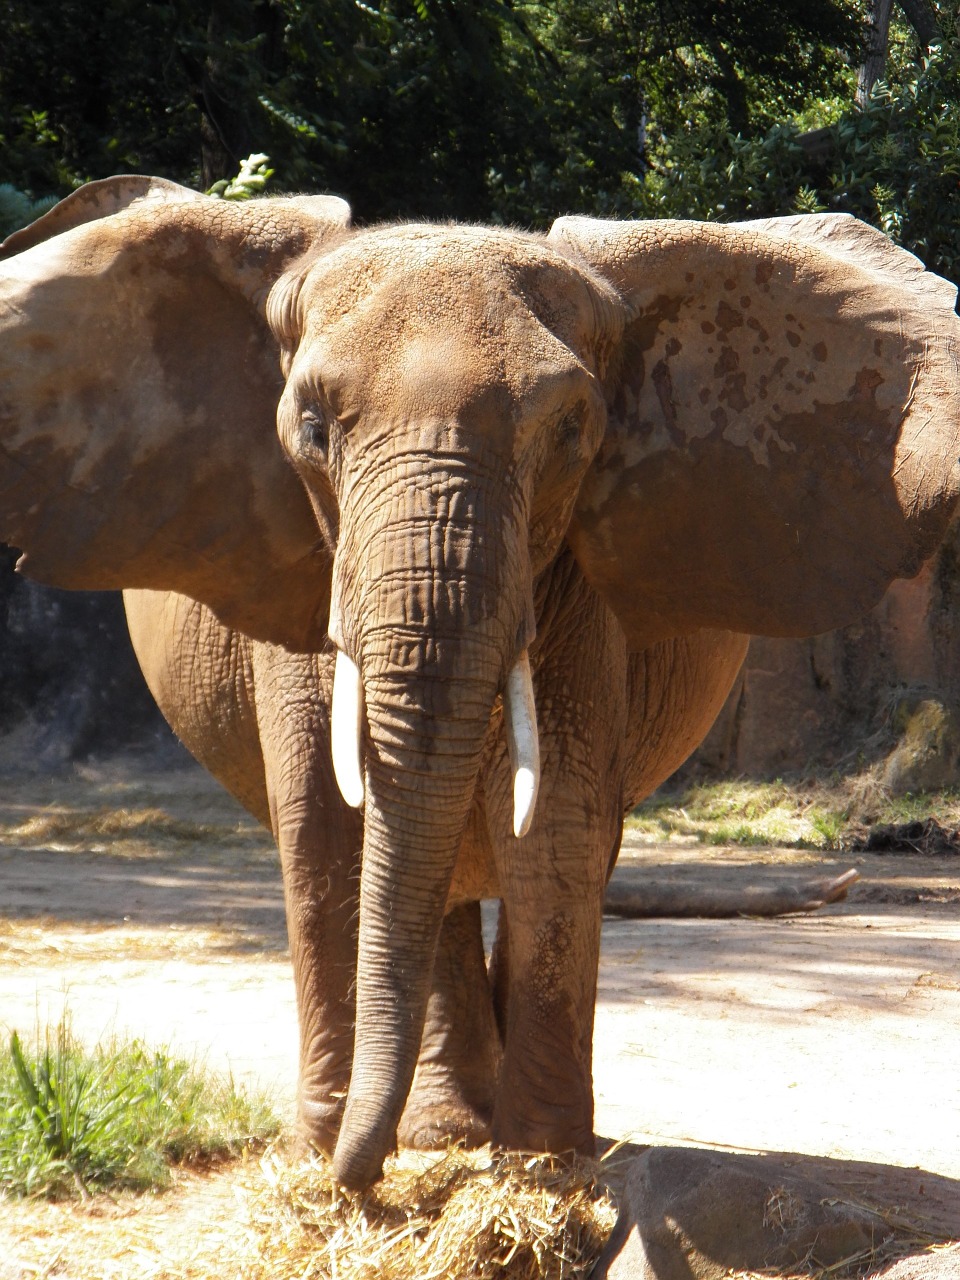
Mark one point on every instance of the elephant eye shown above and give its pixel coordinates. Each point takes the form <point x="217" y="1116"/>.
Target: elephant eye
<point x="568" y="431"/>
<point x="314" y="433"/>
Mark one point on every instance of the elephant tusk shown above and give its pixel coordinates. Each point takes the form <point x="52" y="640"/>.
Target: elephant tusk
<point x="523" y="743"/>
<point x="345" y="717"/>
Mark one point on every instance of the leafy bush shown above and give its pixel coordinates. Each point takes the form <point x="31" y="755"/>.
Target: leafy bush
<point x="17" y="209"/>
<point x="896" y="164"/>
<point x="251" y="179"/>
<point x="898" y="161"/>
<point x="119" y="1115"/>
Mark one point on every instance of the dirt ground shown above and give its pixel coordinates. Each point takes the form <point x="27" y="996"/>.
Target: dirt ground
<point x="145" y="903"/>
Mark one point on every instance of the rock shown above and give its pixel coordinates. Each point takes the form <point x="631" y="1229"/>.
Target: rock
<point x="927" y="838"/>
<point x="927" y="756"/>
<point x="688" y="1214"/>
<point x="70" y="686"/>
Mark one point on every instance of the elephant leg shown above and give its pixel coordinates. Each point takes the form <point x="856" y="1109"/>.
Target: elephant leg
<point x="545" y="1097"/>
<point x="455" y="1082"/>
<point x="552" y="886"/>
<point x="319" y="839"/>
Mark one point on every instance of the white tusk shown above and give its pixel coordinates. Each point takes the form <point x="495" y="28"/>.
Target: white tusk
<point x="345" y="718"/>
<point x="523" y="743"/>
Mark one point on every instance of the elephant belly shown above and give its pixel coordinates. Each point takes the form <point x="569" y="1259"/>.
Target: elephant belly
<point x="675" y="690"/>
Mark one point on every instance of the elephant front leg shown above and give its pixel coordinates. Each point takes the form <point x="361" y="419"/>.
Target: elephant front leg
<point x="455" y="1083"/>
<point x="320" y="876"/>
<point x="552" y="885"/>
<point x="320" y="841"/>
<point x="545" y="1095"/>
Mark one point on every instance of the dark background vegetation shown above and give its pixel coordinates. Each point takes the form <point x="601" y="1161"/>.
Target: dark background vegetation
<point x="486" y="110"/>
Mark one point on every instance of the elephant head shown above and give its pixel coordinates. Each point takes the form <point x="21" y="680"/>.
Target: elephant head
<point x="753" y="428"/>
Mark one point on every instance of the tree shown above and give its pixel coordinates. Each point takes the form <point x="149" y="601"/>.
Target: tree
<point x="493" y="109"/>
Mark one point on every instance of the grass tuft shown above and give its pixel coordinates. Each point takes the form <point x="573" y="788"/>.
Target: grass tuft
<point x="808" y="813"/>
<point x="74" y="1120"/>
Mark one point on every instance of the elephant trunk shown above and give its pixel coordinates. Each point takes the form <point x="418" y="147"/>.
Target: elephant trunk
<point x="432" y="624"/>
<point x="520" y="717"/>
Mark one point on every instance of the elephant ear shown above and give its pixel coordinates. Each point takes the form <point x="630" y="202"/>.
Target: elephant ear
<point x="139" y="383"/>
<point x="784" y="423"/>
<point x="95" y="200"/>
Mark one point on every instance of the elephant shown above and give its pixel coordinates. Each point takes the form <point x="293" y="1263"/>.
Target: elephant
<point x="530" y="496"/>
<point x="258" y="717"/>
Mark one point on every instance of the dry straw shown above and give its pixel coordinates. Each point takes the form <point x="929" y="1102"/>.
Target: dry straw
<point x="459" y="1215"/>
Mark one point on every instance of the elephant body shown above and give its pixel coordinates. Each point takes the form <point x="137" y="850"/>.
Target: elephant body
<point x="497" y="511"/>
<point x="613" y="725"/>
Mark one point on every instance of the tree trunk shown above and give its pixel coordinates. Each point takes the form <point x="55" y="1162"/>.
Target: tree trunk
<point x="923" y="18"/>
<point x="876" y="52"/>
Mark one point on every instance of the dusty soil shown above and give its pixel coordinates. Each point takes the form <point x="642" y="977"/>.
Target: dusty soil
<point x="145" y="902"/>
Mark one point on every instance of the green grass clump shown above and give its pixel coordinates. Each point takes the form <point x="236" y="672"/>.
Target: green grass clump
<point x="815" y="812"/>
<point x="727" y="813"/>
<point x="74" y="1120"/>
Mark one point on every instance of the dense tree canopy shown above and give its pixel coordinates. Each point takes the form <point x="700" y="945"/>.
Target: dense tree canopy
<point x="412" y="106"/>
<point x="511" y="110"/>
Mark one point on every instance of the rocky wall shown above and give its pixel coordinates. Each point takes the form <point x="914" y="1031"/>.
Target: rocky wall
<point x="70" y="686"/>
<point x="886" y="688"/>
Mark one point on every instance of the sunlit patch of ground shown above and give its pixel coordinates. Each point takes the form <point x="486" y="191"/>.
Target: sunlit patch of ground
<point x="48" y="941"/>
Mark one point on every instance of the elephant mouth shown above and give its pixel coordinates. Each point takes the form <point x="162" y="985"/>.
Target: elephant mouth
<point x="520" y="718"/>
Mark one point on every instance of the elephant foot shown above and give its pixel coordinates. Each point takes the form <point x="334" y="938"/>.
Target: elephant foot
<point x="523" y="1133"/>
<point x="318" y="1126"/>
<point x="442" y="1116"/>
<point x="434" y="1128"/>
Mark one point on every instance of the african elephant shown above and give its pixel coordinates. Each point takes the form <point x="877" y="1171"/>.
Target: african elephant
<point x="258" y="717"/>
<point x="545" y="471"/>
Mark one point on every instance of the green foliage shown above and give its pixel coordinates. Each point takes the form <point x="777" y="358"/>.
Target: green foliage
<point x="494" y="110"/>
<point x="252" y="178"/>
<point x="17" y="209"/>
<point x="119" y="1115"/>
<point x="899" y="161"/>
<point x="829" y="826"/>
<point x="86" y="91"/>
<point x="491" y="110"/>
<point x="896" y="164"/>
<point x="709" y="173"/>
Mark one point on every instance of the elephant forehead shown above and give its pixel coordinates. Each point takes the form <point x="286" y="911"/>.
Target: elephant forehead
<point x="436" y="371"/>
<point x="411" y="276"/>
<point x="440" y="336"/>
<point x="443" y="371"/>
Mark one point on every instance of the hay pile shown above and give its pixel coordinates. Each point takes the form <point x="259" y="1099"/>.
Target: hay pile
<point x="457" y="1215"/>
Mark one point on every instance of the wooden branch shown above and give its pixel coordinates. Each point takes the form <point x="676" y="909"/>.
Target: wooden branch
<point x="668" y="897"/>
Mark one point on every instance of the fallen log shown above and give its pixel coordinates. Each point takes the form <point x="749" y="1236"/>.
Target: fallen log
<point x="667" y="897"/>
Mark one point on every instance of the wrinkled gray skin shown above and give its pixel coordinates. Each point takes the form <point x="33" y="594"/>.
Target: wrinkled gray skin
<point x="620" y="448"/>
